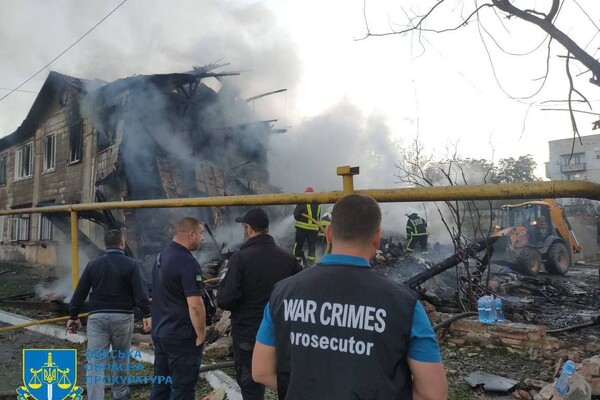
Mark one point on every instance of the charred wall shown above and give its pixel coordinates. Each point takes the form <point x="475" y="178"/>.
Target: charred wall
<point x="144" y="137"/>
<point x="173" y="140"/>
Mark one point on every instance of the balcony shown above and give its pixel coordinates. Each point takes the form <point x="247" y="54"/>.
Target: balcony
<point x="572" y="168"/>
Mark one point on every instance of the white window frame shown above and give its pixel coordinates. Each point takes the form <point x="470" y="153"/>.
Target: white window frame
<point x="20" y="172"/>
<point x="44" y="228"/>
<point x="1" y="228"/>
<point x="76" y="153"/>
<point x="49" y="165"/>
<point x="19" y="227"/>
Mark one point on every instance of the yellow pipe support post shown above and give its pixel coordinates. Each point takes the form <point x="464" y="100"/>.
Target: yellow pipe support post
<point x="347" y="172"/>
<point x="74" y="250"/>
<point x="38" y="322"/>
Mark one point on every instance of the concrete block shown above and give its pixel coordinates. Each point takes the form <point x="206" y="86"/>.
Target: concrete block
<point x="591" y="366"/>
<point x="579" y="389"/>
<point x="220" y="349"/>
<point x="223" y="325"/>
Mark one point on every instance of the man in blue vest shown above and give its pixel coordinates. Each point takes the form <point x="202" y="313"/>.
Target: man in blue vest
<point x="307" y="230"/>
<point x="342" y="331"/>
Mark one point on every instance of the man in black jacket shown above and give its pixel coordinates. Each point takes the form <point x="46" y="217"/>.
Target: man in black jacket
<point x="246" y="288"/>
<point x="117" y="285"/>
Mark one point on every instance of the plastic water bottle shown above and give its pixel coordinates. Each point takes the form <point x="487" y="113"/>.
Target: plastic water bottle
<point x="562" y="384"/>
<point x="493" y="316"/>
<point x="485" y="305"/>
<point x="481" y="310"/>
<point x="499" y="310"/>
<point x="489" y="310"/>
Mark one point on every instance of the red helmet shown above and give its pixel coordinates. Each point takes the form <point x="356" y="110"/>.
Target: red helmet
<point x="309" y="189"/>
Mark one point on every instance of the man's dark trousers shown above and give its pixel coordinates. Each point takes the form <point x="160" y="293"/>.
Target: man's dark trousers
<point x="242" y="352"/>
<point x="179" y="359"/>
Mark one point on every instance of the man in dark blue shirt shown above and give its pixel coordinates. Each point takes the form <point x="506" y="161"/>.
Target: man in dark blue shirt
<point x="342" y="331"/>
<point x="117" y="285"/>
<point x="178" y="314"/>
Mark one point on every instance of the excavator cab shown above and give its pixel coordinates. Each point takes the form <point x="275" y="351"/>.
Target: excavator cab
<point x="535" y="218"/>
<point x="534" y="233"/>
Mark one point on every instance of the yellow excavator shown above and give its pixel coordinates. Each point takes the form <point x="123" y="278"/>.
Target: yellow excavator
<point x="532" y="233"/>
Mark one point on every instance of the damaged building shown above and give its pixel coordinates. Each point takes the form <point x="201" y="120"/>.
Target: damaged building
<point x="144" y="137"/>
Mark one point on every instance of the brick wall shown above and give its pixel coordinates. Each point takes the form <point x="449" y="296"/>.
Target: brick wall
<point x="68" y="182"/>
<point x="523" y="338"/>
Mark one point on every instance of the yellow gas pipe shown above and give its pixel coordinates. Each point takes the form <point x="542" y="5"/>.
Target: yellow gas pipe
<point x="38" y="322"/>
<point x="529" y="190"/>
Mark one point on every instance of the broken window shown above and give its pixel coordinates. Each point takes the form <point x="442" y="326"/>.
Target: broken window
<point x="19" y="227"/>
<point x="49" y="153"/>
<point x="3" y="169"/>
<point x="75" y="142"/>
<point x="45" y="228"/>
<point x="107" y="129"/>
<point x="24" y="161"/>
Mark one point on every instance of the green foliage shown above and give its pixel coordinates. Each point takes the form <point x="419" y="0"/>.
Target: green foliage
<point x="510" y="170"/>
<point x="471" y="171"/>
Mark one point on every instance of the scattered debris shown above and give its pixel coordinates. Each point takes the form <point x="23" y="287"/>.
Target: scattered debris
<point x="490" y="383"/>
<point x="217" y="394"/>
<point x="220" y="349"/>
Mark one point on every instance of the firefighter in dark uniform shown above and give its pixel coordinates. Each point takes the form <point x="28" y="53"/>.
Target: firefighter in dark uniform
<point x="321" y="239"/>
<point x="416" y="232"/>
<point x="362" y="337"/>
<point x="306" y="230"/>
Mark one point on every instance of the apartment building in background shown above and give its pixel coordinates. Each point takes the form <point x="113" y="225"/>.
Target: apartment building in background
<point x="571" y="160"/>
<point x="574" y="160"/>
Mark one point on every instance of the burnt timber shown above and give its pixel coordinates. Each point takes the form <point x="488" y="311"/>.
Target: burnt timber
<point x="157" y="136"/>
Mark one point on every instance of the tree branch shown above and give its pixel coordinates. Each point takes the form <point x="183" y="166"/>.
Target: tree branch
<point x="546" y="24"/>
<point x="571" y="114"/>
<point x="417" y="26"/>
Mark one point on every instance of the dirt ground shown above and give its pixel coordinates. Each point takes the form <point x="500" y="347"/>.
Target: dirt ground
<point x="581" y="281"/>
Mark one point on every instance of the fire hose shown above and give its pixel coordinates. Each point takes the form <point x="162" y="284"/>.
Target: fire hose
<point x="38" y="322"/>
<point x="321" y="229"/>
<point x="454" y="318"/>
<point x="596" y="321"/>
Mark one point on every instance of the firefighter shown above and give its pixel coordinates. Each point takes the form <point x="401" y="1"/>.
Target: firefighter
<point x="416" y="231"/>
<point x="324" y="221"/>
<point x="306" y="230"/>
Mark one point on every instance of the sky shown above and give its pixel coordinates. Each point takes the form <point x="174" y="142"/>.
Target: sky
<point x="348" y="101"/>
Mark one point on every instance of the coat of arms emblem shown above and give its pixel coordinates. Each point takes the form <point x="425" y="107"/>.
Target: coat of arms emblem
<point x="49" y="374"/>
